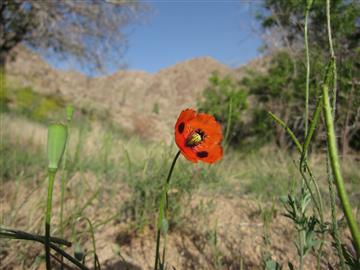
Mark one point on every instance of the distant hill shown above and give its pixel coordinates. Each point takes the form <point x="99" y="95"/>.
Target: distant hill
<point x="147" y="104"/>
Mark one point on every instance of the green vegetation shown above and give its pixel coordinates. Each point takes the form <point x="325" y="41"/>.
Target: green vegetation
<point x="124" y="176"/>
<point x="281" y="88"/>
<point x="281" y="91"/>
<point x="302" y="78"/>
<point x="15" y="162"/>
<point x="108" y="178"/>
<point x="226" y="101"/>
<point x="27" y="102"/>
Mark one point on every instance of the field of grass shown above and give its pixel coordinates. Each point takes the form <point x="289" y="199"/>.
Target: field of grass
<point x="115" y="181"/>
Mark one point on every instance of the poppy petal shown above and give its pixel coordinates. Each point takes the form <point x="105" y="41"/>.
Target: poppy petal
<point x="211" y="154"/>
<point x="182" y="130"/>
<point x="185" y="116"/>
<point x="209" y="125"/>
<point x="189" y="154"/>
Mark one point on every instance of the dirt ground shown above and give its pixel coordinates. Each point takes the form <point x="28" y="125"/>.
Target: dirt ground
<point x="216" y="233"/>
<point x="240" y="240"/>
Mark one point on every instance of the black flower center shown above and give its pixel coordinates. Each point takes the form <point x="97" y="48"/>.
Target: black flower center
<point x="195" y="138"/>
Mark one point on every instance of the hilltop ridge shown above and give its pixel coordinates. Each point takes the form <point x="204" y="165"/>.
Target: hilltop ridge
<point x="136" y="100"/>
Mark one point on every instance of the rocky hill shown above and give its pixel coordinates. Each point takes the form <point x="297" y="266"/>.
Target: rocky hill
<point x="147" y="104"/>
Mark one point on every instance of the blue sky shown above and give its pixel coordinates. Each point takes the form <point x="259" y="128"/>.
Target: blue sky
<point x="176" y="31"/>
<point x="180" y="30"/>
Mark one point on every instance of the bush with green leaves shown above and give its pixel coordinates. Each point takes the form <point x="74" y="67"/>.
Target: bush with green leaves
<point x="285" y="20"/>
<point x="281" y="88"/>
<point x="35" y="106"/>
<point x="226" y="100"/>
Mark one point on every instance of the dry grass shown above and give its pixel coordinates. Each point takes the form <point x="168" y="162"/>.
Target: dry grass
<point x="229" y="200"/>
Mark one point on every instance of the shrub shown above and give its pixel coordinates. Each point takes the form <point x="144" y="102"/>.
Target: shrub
<point x="226" y="100"/>
<point x="36" y="106"/>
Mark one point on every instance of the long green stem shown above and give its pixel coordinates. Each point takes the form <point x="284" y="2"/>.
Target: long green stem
<point x="48" y="217"/>
<point x="329" y="113"/>
<point x="335" y="166"/>
<point x="332" y="54"/>
<point x="172" y="167"/>
<point x="307" y="72"/>
<point x="163" y="208"/>
<point x="288" y="130"/>
<point x="62" y="195"/>
<point x="92" y="232"/>
<point x="63" y="184"/>
<point x="302" y="168"/>
<point x="335" y="230"/>
<point x="69" y="112"/>
<point x="157" y="254"/>
<point x="301" y="247"/>
<point x="309" y="133"/>
<point x="317" y="202"/>
<point x="303" y="160"/>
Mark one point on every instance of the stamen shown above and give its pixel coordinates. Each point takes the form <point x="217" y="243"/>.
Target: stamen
<point x="195" y="138"/>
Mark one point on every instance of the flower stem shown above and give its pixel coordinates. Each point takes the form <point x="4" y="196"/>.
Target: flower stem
<point x="48" y="217"/>
<point x="157" y="254"/>
<point x="163" y="208"/>
<point x="335" y="167"/>
<point x="301" y="248"/>
<point x="317" y="203"/>
<point x="307" y="73"/>
<point x="329" y="113"/>
<point x="332" y="54"/>
<point x="335" y="229"/>
<point x="63" y="176"/>
<point x="64" y="173"/>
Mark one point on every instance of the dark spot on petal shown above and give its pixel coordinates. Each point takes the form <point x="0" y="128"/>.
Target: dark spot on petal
<point x="202" y="154"/>
<point x="181" y="127"/>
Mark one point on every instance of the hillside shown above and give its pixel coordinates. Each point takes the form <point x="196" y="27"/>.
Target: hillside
<point x="225" y="216"/>
<point x="138" y="101"/>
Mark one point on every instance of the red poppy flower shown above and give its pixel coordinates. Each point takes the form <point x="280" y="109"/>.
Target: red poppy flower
<point x="198" y="136"/>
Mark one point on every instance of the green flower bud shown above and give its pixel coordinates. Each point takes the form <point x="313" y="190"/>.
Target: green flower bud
<point x="57" y="136"/>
